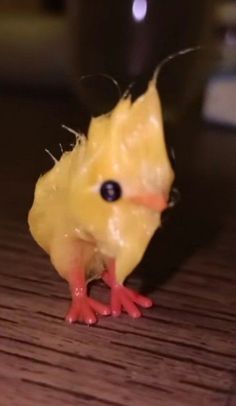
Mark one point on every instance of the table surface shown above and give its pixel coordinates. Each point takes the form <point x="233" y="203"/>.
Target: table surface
<point x="182" y="352"/>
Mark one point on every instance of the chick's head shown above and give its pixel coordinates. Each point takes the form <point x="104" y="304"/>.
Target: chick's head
<point x="122" y="167"/>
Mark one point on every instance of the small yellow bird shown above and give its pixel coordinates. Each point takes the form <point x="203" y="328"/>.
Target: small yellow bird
<point x="96" y="210"/>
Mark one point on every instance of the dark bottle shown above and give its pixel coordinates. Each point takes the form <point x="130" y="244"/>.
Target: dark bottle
<point x="128" y="38"/>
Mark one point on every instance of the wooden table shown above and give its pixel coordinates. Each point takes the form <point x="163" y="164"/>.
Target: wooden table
<point x="183" y="351"/>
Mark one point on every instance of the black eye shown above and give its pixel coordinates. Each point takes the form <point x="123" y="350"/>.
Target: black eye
<point x="110" y="191"/>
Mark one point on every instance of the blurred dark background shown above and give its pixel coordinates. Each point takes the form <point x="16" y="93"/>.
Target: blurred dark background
<point x="45" y="48"/>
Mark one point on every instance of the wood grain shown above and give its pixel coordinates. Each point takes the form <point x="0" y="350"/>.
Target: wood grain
<point x="181" y="352"/>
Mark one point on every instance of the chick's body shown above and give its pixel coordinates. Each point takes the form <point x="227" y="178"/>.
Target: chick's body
<point x="72" y="221"/>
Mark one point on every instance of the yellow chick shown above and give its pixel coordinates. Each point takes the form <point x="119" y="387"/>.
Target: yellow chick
<point x="96" y="210"/>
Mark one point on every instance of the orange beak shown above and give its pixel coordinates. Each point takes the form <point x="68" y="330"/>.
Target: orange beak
<point x="151" y="201"/>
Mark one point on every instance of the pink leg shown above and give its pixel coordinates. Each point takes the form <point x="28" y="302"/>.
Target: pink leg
<point x="123" y="298"/>
<point x="83" y="308"/>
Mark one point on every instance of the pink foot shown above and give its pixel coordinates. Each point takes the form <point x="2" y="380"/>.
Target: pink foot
<point x="123" y="298"/>
<point x="84" y="308"/>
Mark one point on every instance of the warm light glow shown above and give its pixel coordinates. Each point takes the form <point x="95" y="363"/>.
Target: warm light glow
<point x="139" y="10"/>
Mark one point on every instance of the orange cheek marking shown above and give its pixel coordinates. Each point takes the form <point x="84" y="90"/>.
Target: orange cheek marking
<point x="151" y="201"/>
